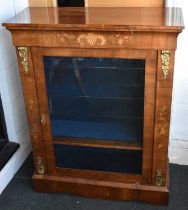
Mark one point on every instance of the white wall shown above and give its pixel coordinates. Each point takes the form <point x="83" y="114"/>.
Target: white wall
<point x="11" y="93"/>
<point x="178" y="150"/>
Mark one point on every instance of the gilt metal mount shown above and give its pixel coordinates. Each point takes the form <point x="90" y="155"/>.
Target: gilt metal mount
<point x="159" y="179"/>
<point x="22" y="51"/>
<point x="165" y="59"/>
<point x="40" y="166"/>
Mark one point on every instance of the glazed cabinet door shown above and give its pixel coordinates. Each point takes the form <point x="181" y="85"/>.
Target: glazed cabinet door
<point x="97" y="112"/>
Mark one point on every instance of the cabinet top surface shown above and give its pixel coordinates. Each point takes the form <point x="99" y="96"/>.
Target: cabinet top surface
<point x="96" y="18"/>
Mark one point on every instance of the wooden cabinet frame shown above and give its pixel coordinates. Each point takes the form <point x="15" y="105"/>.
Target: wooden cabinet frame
<point x="150" y="78"/>
<point x="155" y="43"/>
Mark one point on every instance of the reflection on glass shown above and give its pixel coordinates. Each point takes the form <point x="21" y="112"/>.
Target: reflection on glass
<point x="98" y="98"/>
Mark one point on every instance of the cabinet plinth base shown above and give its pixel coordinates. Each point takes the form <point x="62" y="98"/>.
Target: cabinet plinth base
<point x="101" y="189"/>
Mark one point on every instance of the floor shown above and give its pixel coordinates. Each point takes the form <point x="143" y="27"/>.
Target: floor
<point x="19" y="195"/>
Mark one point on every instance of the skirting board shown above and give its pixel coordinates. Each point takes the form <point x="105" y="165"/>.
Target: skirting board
<point x="178" y="152"/>
<point x="7" y="173"/>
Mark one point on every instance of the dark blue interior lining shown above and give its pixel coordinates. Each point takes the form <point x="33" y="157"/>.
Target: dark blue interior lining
<point x="98" y="75"/>
<point x="101" y="129"/>
<point x="103" y="107"/>
<point x="51" y="61"/>
<point x="95" y="90"/>
<point x="92" y="78"/>
<point x="81" y="90"/>
<point x="98" y="159"/>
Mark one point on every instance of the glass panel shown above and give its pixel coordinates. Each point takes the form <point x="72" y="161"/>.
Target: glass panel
<point x="98" y="159"/>
<point x="97" y="98"/>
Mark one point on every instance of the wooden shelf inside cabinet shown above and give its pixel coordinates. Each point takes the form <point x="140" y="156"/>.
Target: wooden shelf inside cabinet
<point x="97" y="85"/>
<point x="99" y="143"/>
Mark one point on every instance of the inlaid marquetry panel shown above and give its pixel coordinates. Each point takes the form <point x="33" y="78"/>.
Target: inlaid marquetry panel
<point x="84" y="39"/>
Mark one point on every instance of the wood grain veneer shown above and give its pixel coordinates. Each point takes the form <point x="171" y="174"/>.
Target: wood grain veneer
<point x="42" y="3"/>
<point x="97" y="3"/>
<point x="123" y="3"/>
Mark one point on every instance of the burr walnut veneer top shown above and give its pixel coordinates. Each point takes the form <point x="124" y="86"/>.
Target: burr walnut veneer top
<point x="97" y="18"/>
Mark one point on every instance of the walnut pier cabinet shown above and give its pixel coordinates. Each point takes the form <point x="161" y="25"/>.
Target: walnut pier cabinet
<point x="97" y="85"/>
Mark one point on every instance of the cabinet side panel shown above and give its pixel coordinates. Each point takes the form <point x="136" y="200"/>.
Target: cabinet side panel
<point x="149" y="106"/>
<point x="162" y="115"/>
<point x="31" y="105"/>
<point x="43" y="108"/>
